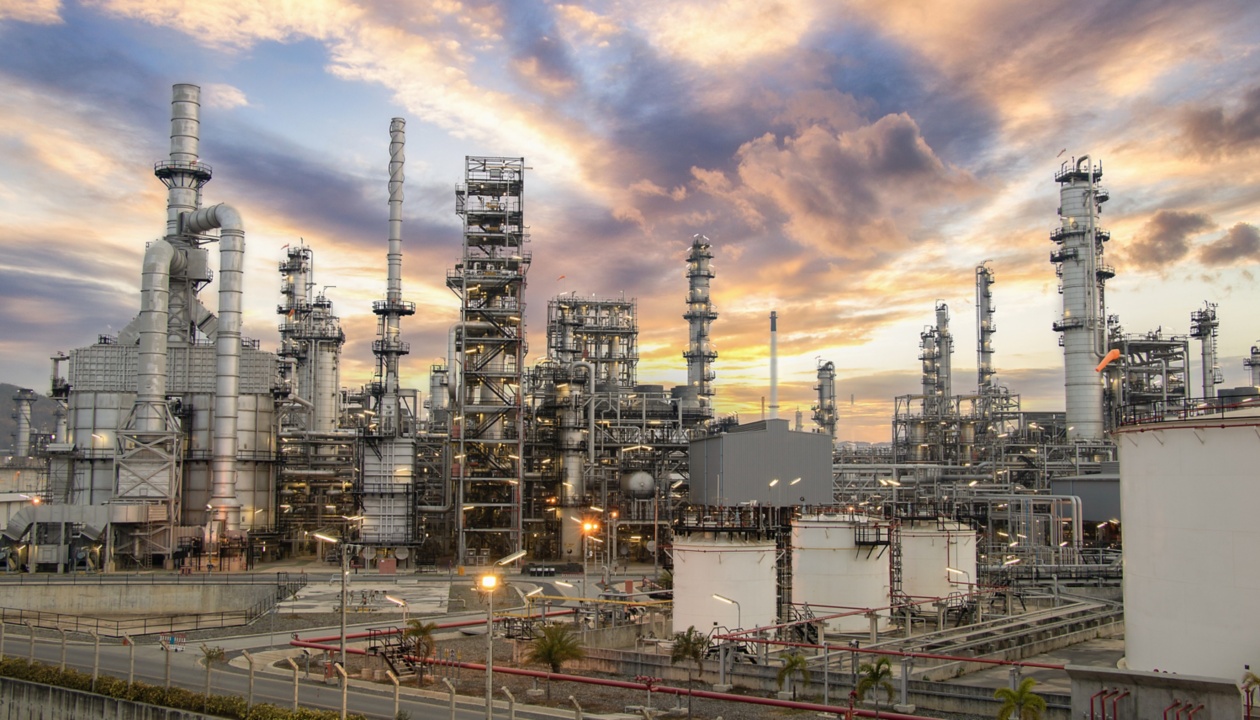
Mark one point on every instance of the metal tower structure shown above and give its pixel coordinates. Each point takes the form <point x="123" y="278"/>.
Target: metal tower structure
<point x="825" y="410"/>
<point x="700" y="316"/>
<point x="936" y="345"/>
<point x="1079" y="264"/>
<point x="985" y="328"/>
<point x="1203" y="326"/>
<point x="602" y="332"/>
<point x="488" y="358"/>
<point x="774" y="364"/>
<point x="316" y="457"/>
<point x="1252" y="363"/>
<point x="387" y="456"/>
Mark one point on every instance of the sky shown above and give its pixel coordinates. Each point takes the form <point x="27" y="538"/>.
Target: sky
<point x="851" y="162"/>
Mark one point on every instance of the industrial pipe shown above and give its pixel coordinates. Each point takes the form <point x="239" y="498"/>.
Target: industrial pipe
<point x="1115" y="701"/>
<point x="224" y="505"/>
<point x="155" y="278"/>
<point x="1175" y="705"/>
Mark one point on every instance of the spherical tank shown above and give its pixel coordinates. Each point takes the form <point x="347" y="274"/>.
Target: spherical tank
<point x="1188" y="497"/>
<point x="638" y="484"/>
<point x="928" y="551"/>
<point x="737" y="569"/>
<point x="832" y="572"/>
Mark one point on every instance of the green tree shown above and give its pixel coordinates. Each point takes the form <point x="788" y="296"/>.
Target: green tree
<point x="1021" y="703"/>
<point x="690" y="645"/>
<point x="556" y="646"/>
<point x="794" y="664"/>
<point x="417" y="639"/>
<point x="875" y="676"/>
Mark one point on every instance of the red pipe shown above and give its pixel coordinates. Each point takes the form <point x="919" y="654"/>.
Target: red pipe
<point x="894" y="653"/>
<point x="1190" y="715"/>
<point x="1116" y="701"/>
<point x="1092" y="698"/>
<point x="835" y="710"/>
<point x="1175" y="704"/>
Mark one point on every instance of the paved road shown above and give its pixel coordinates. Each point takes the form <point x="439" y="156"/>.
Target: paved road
<point x="186" y="669"/>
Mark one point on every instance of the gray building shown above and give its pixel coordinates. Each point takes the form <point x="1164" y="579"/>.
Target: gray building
<point x="743" y="465"/>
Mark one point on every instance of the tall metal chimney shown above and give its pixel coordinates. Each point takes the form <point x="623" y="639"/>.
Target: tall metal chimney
<point x="774" y="364"/>
<point x="389" y="347"/>
<point x="24" y="399"/>
<point x="1078" y="261"/>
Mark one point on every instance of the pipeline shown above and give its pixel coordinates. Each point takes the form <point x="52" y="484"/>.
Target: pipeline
<point x="224" y="504"/>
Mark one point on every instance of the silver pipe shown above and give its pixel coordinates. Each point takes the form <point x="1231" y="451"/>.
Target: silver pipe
<point x="397" y="143"/>
<point x="159" y="256"/>
<point x="224" y="505"/>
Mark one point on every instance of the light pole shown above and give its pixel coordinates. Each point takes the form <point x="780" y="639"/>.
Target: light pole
<point x="964" y="573"/>
<point x="739" y="615"/>
<point x="402" y="604"/>
<point x="489" y="583"/>
<point x="345" y="572"/>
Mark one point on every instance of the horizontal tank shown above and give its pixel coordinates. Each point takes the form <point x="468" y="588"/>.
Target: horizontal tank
<point x="637" y="484"/>
<point x="737" y="569"/>
<point x="835" y="568"/>
<point x="928" y="554"/>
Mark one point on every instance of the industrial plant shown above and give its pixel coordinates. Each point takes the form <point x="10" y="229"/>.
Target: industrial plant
<point x="177" y="440"/>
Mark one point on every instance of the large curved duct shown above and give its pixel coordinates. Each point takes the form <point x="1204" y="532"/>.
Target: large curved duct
<point x="159" y="256"/>
<point x="224" y="505"/>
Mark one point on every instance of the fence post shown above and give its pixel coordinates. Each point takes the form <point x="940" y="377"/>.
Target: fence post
<point x="249" y="699"/>
<point x="295" y="681"/>
<point x="451" y="688"/>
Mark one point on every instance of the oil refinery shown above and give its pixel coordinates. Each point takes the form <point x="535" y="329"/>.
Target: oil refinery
<point x="176" y="438"/>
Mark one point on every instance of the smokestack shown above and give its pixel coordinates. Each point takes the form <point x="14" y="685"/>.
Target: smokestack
<point x="25" y="399"/>
<point x="390" y="346"/>
<point x="774" y="364"/>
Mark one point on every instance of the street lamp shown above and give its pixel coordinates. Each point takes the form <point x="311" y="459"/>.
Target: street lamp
<point x="964" y="573"/>
<point x="345" y="572"/>
<point x="489" y="583"/>
<point x="402" y="604"/>
<point x="739" y="615"/>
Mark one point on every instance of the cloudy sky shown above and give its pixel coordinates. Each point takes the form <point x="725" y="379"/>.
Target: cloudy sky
<point x="852" y="162"/>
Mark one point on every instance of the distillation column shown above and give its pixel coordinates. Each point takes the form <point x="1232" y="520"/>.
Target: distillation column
<point x="488" y="358"/>
<point x="1203" y="327"/>
<point x="985" y="328"/>
<point x="700" y="316"/>
<point x="387" y="456"/>
<point x="944" y="351"/>
<point x="825" y="410"/>
<point x="1078" y="262"/>
<point x="1252" y="363"/>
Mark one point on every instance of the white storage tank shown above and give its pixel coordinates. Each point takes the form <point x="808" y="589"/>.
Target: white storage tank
<point x="929" y="550"/>
<point x="835" y="565"/>
<point x="1188" y="496"/>
<point x="743" y="570"/>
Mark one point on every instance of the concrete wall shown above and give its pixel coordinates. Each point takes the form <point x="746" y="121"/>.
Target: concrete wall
<point x="32" y="701"/>
<point x="104" y="600"/>
<point x="1154" y="694"/>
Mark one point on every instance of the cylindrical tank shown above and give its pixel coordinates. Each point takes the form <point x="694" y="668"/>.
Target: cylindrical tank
<point x="1188" y="497"/>
<point x="928" y="550"/>
<point x="831" y="571"/>
<point x="637" y="484"/>
<point x="737" y="569"/>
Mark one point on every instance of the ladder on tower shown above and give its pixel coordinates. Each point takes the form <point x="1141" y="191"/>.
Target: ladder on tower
<point x="897" y="597"/>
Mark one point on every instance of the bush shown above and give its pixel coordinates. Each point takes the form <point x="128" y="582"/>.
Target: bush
<point x="228" y="706"/>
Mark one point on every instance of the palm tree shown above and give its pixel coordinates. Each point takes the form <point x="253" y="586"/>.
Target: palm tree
<point x="556" y="646"/>
<point x="690" y="645"/>
<point x="875" y="676"/>
<point x="1250" y="681"/>
<point x="793" y="663"/>
<point x="418" y="636"/>
<point x="1021" y="703"/>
